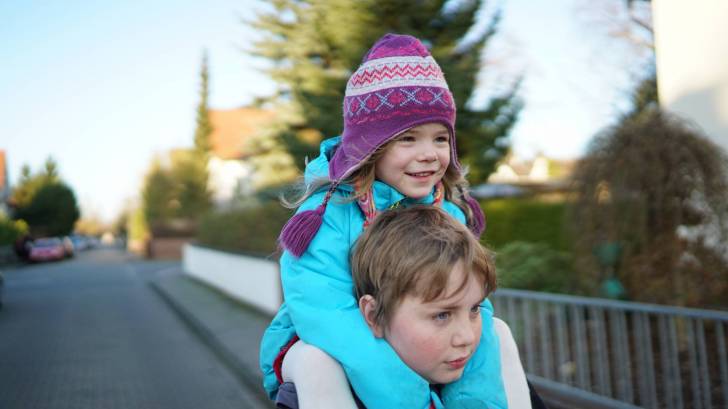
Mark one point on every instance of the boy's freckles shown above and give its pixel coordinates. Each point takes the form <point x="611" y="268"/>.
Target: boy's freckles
<point x="435" y="342"/>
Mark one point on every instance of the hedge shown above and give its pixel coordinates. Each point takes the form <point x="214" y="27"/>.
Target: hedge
<point x="254" y="229"/>
<point x="536" y="267"/>
<point x="531" y="220"/>
<point x="250" y="230"/>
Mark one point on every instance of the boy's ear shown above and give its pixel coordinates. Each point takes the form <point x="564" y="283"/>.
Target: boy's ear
<point x="368" y="308"/>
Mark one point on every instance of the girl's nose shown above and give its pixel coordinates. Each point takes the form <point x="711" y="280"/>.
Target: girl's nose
<point x="427" y="154"/>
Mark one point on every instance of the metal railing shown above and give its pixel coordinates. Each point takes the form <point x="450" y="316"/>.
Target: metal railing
<point x="620" y="354"/>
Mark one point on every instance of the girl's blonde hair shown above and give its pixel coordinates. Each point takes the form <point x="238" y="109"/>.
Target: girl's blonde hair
<point x="363" y="178"/>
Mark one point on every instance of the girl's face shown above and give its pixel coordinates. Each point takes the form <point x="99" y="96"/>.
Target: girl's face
<point x="415" y="160"/>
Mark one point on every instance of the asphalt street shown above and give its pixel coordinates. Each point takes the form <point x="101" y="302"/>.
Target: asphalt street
<point x="90" y="332"/>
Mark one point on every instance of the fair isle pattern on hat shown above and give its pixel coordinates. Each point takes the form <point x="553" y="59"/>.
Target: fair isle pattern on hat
<point x="384" y="104"/>
<point x="390" y="72"/>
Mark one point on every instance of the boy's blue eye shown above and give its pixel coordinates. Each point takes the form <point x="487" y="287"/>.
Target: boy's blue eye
<point x="442" y="316"/>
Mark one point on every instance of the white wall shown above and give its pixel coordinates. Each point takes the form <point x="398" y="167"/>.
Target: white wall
<point x="691" y="45"/>
<point x="229" y="177"/>
<point x="252" y="280"/>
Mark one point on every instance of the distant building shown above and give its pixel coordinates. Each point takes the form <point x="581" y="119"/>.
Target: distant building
<point x="691" y="48"/>
<point x="517" y="177"/>
<point x="538" y="171"/>
<point x="230" y="172"/>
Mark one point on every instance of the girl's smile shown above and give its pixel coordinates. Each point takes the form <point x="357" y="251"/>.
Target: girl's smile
<point x="416" y="160"/>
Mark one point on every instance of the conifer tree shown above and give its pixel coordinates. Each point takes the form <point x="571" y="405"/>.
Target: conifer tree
<point x="158" y="202"/>
<point x="190" y="171"/>
<point x="204" y="127"/>
<point x="316" y="45"/>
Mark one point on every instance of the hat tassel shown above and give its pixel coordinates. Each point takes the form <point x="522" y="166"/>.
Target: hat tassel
<point x="300" y="230"/>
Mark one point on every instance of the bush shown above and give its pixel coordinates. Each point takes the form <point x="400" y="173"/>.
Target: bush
<point x="536" y="267"/>
<point x="529" y="220"/>
<point x="657" y="186"/>
<point x="251" y="230"/>
<point x="11" y="230"/>
<point x="53" y="210"/>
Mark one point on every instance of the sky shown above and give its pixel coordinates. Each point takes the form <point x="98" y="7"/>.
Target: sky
<point x="103" y="87"/>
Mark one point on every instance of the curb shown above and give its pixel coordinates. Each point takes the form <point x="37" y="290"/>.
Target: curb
<point x="226" y="356"/>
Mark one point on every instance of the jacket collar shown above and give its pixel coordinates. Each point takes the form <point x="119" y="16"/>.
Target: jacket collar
<point x="385" y="196"/>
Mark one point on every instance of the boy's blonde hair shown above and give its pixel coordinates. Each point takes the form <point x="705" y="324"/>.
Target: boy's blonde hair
<point x="412" y="251"/>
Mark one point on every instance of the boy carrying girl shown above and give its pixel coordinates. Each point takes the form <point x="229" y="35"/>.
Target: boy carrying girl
<point x="420" y="278"/>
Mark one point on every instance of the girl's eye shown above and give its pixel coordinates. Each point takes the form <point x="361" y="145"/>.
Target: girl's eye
<point x="442" y="316"/>
<point x="406" y="138"/>
<point x="442" y="138"/>
<point x="475" y="310"/>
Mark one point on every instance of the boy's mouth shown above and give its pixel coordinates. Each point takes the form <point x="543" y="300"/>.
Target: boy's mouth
<point x="458" y="363"/>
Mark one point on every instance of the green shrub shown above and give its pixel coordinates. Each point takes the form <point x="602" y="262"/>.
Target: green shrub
<point x="536" y="267"/>
<point x="11" y="230"/>
<point x="530" y="219"/>
<point x="251" y="230"/>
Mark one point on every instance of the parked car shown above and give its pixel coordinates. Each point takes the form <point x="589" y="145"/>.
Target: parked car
<point x="81" y="242"/>
<point x="68" y="246"/>
<point x="47" y="250"/>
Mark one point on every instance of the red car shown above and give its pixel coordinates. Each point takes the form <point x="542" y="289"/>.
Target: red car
<point x="47" y="249"/>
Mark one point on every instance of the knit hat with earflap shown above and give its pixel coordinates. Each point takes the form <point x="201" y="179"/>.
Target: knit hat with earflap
<point x="398" y="86"/>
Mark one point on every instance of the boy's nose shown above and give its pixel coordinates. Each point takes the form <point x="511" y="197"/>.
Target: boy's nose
<point x="464" y="334"/>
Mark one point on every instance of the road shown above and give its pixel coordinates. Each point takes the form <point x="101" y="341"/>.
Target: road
<point x="90" y="333"/>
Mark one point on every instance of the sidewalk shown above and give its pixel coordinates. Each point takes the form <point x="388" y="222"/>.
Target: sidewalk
<point x="230" y="328"/>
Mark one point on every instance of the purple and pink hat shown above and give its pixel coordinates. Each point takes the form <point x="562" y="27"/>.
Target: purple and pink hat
<point x="398" y="86"/>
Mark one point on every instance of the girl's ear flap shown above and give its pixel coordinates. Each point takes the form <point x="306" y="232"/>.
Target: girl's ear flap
<point x="368" y="309"/>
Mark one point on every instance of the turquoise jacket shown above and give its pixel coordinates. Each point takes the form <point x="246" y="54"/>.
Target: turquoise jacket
<point x="320" y="306"/>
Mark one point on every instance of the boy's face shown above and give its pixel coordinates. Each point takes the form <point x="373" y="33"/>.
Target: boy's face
<point x="437" y="338"/>
<point x="416" y="160"/>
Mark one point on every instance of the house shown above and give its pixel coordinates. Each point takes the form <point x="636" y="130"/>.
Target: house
<point x="692" y="63"/>
<point x="538" y="171"/>
<point x="230" y="173"/>
<point x="516" y="177"/>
